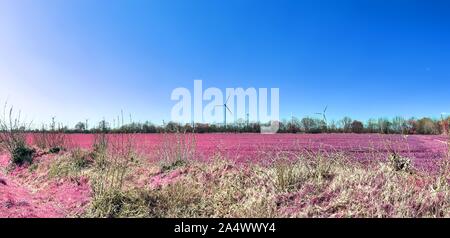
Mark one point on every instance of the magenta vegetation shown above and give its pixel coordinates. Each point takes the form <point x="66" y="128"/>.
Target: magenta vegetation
<point x="66" y="183"/>
<point x="424" y="150"/>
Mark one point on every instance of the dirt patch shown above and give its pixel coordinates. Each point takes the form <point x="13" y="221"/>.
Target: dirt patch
<point x="23" y="195"/>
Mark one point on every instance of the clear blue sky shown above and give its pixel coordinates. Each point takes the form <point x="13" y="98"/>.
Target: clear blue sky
<point x="78" y="59"/>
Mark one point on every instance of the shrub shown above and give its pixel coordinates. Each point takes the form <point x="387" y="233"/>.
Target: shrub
<point x="81" y="158"/>
<point x="32" y="168"/>
<point x="22" y="155"/>
<point x="101" y="142"/>
<point x="399" y="163"/>
<point x="176" y="150"/>
<point x="112" y="159"/>
<point x="117" y="204"/>
<point x="53" y="140"/>
<point x="71" y="165"/>
<point x="55" y="150"/>
<point x="100" y="150"/>
<point x="172" y="166"/>
<point x="288" y="175"/>
<point x="110" y="200"/>
<point x="13" y="137"/>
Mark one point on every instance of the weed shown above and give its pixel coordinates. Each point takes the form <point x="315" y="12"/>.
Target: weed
<point x="55" y="150"/>
<point x="176" y="150"/>
<point x="287" y="174"/>
<point x="174" y="165"/>
<point x="399" y="163"/>
<point x="116" y="203"/>
<point x="13" y="137"/>
<point x="22" y="155"/>
<point x="71" y="165"/>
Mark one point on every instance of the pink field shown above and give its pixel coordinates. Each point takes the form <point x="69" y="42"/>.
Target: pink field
<point x="33" y="194"/>
<point x="425" y="150"/>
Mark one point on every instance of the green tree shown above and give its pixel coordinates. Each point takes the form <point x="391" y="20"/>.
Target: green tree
<point x="427" y="126"/>
<point x="80" y="126"/>
<point x="346" y="124"/>
<point x="357" y="127"/>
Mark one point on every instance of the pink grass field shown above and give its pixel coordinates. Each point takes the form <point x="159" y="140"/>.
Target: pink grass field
<point x="25" y="194"/>
<point x="424" y="150"/>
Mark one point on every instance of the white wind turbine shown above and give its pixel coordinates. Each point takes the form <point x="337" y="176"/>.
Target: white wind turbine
<point x="324" y="116"/>
<point x="225" y="108"/>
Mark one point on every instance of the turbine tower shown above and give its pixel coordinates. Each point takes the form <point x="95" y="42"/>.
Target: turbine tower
<point x="323" y="114"/>
<point x="225" y="108"/>
<point x="248" y="119"/>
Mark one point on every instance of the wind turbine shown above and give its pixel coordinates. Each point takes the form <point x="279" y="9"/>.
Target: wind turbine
<point x="248" y="119"/>
<point x="324" y="115"/>
<point x="225" y="108"/>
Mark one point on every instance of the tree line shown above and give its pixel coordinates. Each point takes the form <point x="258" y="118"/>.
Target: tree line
<point x="397" y="125"/>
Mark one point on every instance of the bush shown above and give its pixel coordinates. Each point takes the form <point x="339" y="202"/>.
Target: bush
<point x="22" y="154"/>
<point x="81" y="159"/>
<point x="55" y="150"/>
<point x="13" y="137"/>
<point x="117" y="204"/>
<point x="288" y="175"/>
<point x="101" y="143"/>
<point x="172" y="166"/>
<point x="399" y="163"/>
<point x="71" y="165"/>
<point x="176" y="150"/>
<point x="50" y="140"/>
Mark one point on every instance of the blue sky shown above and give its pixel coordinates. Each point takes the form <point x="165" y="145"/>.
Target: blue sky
<point x="79" y="59"/>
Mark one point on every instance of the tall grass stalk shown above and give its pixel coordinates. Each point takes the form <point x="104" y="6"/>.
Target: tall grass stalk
<point x="13" y="137"/>
<point x="53" y="139"/>
<point x="112" y="154"/>
<point x="176" y="149"/>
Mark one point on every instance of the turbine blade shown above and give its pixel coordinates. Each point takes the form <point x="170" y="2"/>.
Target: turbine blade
<point x="227" y="99"/>
<point x="228" y="109"/>
<point x="325" y="109"/>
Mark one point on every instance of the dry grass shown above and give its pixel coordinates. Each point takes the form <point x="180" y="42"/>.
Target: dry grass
<point x="176" y="150"/>
<point x="53" y="141"/>
<point x="13" y="137"/>
<point x="300" y="188"/>
<point x="71" y="165"/>
<point x="304" y="185"/>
